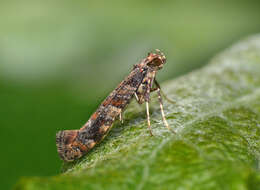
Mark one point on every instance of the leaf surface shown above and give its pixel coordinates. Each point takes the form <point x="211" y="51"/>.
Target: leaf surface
<point x="217" y="146"/>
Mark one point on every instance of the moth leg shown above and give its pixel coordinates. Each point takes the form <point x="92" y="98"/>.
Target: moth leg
<point x="143" y="95"/>
<point x="154" y="89"/>
<point x="162" y="111"/>
<point x="148" y="118"/>
<point x="121" y="117"/>
<point x="166" y="98"/>
<point x="136" y="97"/>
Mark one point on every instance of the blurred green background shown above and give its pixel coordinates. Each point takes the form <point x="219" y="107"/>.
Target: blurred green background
<point x="59" y="59"/>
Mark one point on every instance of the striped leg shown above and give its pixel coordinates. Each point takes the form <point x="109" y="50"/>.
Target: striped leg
<point x="162" y="111"/>
<point x="136" y="97"/>
<point x="148" y="118"/>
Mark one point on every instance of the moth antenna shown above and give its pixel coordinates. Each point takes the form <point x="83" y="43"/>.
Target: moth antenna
<point x="158" y="51"/>
<point x="67" y="145"/>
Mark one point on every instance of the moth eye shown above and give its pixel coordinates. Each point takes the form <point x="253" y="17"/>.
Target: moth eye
<point x="156" y="62"/>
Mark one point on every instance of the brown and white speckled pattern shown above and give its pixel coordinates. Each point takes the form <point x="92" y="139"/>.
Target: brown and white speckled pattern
<point x="73" y="144"/>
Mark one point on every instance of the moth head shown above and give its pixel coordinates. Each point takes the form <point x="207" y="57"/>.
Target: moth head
<point x="156" y="60"/>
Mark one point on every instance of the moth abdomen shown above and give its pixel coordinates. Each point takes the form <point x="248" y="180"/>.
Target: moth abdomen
<point x="69" y="148"/>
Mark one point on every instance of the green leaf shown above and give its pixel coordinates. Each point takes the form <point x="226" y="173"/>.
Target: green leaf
<point x="217" y="146"/>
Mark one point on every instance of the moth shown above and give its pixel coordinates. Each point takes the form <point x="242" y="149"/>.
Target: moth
<point x="73" y="144"/>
